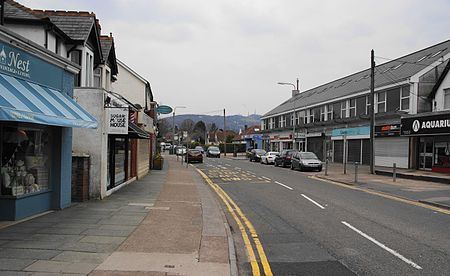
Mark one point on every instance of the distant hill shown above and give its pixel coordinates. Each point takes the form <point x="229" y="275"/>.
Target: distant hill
<point x="234" y="122"/>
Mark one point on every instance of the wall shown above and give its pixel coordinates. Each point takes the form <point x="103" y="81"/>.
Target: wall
<point x="31" y="32"/>
<point x="130" y="86"/>
<point x="93" y="141"/>
<point x="439" y="97"/>
<point x="143" y="157"/>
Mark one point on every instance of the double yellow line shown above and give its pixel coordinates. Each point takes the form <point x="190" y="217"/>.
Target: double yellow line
<point x="242" y="220"/>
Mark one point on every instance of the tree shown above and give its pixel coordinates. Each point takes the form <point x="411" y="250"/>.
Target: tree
<point x="213" y="127"/>
<point x="199" y="132"/>
<point x="163" y="128"/>
<point x="187" y="125"/>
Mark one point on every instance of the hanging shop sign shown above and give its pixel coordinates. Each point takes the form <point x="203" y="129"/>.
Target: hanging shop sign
<point x="426" y="125"/>
<point x="118" y="121"/>
<point x="164" y="109"/>
<point x="387" y="130"/>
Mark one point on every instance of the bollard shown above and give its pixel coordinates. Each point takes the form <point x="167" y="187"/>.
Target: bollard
<point x="356" y="172"/>
<point x="326" y="167"/>
<point x="394" y="173"/>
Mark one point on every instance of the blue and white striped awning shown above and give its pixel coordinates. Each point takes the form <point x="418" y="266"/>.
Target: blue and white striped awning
<point x="24" y="101"/>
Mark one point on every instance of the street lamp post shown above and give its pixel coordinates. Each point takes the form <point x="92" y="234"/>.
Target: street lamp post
<point x="295" y="92"/>
<point x="173" y="121"/>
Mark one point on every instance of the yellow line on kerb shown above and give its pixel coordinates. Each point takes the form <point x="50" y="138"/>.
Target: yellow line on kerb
<point x="381" y="194"/>
<point x="251" y="254"/>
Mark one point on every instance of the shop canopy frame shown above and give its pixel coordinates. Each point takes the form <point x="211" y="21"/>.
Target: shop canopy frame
<point x="25" y="101"/>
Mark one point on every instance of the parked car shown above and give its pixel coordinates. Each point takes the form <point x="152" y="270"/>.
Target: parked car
<point x="284" y="159"/>
<point x="180" y="150"/>
<point x="213" y="152"/>
<point x="193" y="155"/>
<point x="248" y="152"/>
<point x="269" y="157"/>
<point x="255" y="155"/>
<point x="306" y="161"/>
<point x="200" y="148"/>
<point x="167" y="146"/>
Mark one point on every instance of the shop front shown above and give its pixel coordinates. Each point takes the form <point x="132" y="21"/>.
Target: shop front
<point x="37" y="114"/>
<point x="314" y="143"/>
<point x="429" y="136"/>
<point x="122" y="155"/>
<point x="351" y="145"/>
<point x="280" y="141"/>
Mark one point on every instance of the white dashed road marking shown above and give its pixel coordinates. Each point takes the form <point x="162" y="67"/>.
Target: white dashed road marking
<point x="393" y="252"/>
<point x="317" y="204"/>
<point x="286" y="186"/>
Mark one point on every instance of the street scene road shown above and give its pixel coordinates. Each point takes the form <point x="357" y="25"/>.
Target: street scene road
<point x="311" y="227"/>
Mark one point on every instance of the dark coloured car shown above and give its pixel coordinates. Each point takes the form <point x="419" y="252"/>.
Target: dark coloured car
<point x="213" y="152"/>
<point x="200" y="148"/>
<point x="193" y="155"/>
<point x="306" y="161"/>
<point x="255" y="155"/>
<point x="284" y="160"/>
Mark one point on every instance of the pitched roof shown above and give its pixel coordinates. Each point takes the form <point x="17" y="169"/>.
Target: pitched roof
<point x="387" y="73"/>
<point x="77" y="25"/>
<point x="109" y="52"/>
<point x="18" y="11"/>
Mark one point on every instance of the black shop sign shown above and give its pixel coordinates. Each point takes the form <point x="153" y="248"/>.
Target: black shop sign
<point x="427" y="125"/>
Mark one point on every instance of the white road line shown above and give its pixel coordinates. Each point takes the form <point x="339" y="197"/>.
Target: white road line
<point x="266" y="178"/>
<point x="318" y="205"/>
<point x="286" y="186"/>
<point x="228" y="165"/>
<point x="237" y="168"/>
<point x="393" y="252"/>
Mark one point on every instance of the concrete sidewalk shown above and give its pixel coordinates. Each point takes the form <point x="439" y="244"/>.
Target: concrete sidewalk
<point x="168" y="223"/>
<point x="422" y="191"/>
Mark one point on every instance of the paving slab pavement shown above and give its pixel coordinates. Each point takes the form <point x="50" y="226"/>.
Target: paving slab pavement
<point x="183" y="234"/>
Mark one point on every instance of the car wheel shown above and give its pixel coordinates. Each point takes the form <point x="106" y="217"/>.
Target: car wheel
<point x="284" y="164"/>
<point x="292" y="166"/>
<point x="275" y="163"/>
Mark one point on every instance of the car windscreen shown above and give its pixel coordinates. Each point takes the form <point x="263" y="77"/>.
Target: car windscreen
<point x="194" y="151"/>
<point x="308" y="155"/>
<point x="213" y="148"/>
<point x="273" y="153"/>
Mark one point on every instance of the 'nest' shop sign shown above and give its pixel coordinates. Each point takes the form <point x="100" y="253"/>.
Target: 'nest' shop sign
<point x="427" y="125"/>
<point x="18" y="63"/>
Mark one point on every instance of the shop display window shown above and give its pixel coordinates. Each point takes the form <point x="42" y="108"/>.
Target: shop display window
<point x="442" y="154"/>
<point x="25" y="159"/>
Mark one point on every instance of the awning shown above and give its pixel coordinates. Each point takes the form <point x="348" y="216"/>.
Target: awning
<point x="134" y="131"/>
<point x="23" y="101"/>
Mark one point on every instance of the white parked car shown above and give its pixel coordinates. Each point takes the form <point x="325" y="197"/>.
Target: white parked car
<point x="269" y="157"/>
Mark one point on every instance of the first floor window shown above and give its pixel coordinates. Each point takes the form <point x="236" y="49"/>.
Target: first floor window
<point x="25" y="159"/>
<point x="323" y="113"/>
<point x="329" y="112"/>
<point x="352" y="108"/>
<point x="381" y="102"/>
<point x="447" y="98"/>
<point x="344" y="109"/>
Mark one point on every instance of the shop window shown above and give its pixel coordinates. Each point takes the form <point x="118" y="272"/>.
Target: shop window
<point x="447" y="98"/>
<point x="404" y="99"/>
<point x="381" y="102"/>
<point x="442" y="154"/>
<point x="329" y="112"/>
<point x="352" y="107"/>
<point x="25" y="160"/>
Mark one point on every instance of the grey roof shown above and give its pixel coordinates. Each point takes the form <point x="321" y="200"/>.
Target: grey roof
<point x="106" y="45"/>
<point x="387" y="73"/>
<point x="18" y="11"/>
<point x="76" y="27"/>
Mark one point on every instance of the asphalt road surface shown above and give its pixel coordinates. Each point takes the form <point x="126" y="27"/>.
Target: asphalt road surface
<point x="311" y="227"/>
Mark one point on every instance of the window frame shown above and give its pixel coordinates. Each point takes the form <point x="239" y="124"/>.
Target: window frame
<point x="345" y="109"/>
<point x="329" y="112"/>
<point x="383" y="102"/>
<point x="323" y="113"/>
<point x="446" y="91"/>
<point x="350" y="107"/>
<point x="404" y="88"/>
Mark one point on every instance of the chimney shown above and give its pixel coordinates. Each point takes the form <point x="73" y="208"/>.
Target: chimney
<point x="295" y="93"/>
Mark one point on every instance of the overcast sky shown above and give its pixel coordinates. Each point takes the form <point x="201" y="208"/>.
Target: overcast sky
<point x="214" y="54"/>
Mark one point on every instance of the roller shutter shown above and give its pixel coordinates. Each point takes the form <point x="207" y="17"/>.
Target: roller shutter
<point x="354" y="151"/>
<point x="366" y="152"/>
<point x="392" y="150"/>
<point x="315" y="144"/>
<point x="338" y="154"/>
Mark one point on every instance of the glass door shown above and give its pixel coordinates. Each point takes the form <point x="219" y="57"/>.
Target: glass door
<point x="425" y="153"/>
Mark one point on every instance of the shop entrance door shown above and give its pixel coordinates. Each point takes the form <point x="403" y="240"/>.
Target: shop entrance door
<point x="425" y="153"/>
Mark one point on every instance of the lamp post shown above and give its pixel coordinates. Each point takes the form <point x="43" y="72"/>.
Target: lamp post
<point x="295" y="91"/>
<point x="173" y="122"/>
